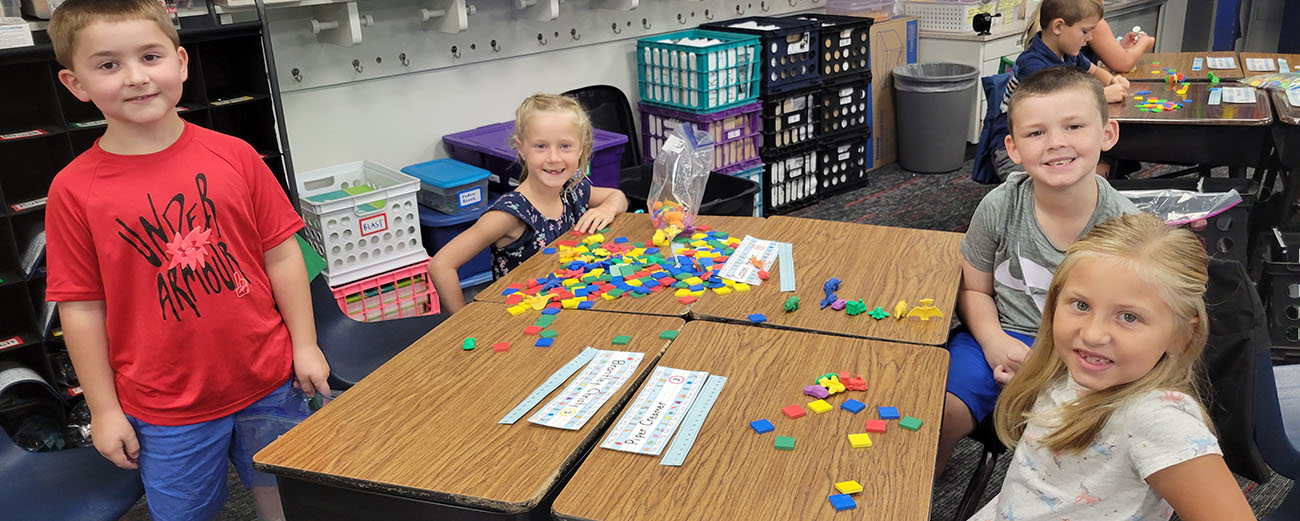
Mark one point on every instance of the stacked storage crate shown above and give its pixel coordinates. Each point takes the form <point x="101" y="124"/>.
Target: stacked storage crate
<point x="790" y="99"/>
<point x="709" y="80"/>
<point x="363" y="219"/>
<point x="844" y="115"/>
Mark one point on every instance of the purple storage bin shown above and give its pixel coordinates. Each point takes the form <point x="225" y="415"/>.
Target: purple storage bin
<point x="488" y="147"/>
<point x="737" y="132"/>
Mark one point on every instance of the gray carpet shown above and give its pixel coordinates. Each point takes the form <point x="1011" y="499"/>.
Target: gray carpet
<point x="894" y="198"/>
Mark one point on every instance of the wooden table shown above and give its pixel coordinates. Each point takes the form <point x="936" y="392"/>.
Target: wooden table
<point x="419" y="438"/>
<point x="734" y="473"/>
<point x="878" y="264"/>
<point x="1182" y="62"/>
<point x="1231" y="134"/>
<point x="1292" y="60"/>
<point x="636" y="227"/>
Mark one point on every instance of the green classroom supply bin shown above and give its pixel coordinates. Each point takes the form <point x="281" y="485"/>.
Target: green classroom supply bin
<point x="698" y="70"/>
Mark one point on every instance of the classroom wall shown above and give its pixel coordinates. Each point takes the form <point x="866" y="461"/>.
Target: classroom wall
<point x="400" y="120"/>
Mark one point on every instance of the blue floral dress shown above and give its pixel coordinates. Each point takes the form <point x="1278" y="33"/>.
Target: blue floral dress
<point x="540" y="230"/>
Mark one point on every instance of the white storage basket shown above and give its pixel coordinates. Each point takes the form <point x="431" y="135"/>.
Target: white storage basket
<point x="362" y="218"/>
<point x="948" y="17"/>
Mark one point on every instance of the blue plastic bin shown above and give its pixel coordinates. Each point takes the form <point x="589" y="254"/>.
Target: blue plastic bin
<point x="450" y="186"/>
<point x="438" y="229"/>
<point x="489" y="147"/>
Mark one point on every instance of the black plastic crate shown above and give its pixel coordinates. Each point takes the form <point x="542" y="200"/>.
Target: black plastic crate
<point x="1226" y="235"/>
<point x="789" y="50"/>
<point x="723" y="194"/>
<point x="844" y="43"/>
<point x="843" y="163"/>
<point x="790" y="179"/>
<point x="790" y="119"/>
<point x="1280" y="290"/>
<point x="844" y="106"/>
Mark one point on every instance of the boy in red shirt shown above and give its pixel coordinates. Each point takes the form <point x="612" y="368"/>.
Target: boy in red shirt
<point x="181" y="288"/>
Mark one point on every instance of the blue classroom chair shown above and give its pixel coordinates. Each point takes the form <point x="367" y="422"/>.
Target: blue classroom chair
<point x="62" y="485"/>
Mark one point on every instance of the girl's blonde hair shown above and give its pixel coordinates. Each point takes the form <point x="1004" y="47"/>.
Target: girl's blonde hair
<point x="552" y="103"/>
<point x="1174" y="261"/>
<point x="1071" y="11"/>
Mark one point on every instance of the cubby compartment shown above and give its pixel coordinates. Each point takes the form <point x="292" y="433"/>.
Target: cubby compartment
<point x="253" y="122"/>
<point x="27" y="101"/>
<point x="29" y="166"/>
<point x="197" y="115"/>
<point x="29" y="236"/>
<point x="84" y="138"/>
<point x="233" y="70"/>
<point x="77" y="113"/>
<point x="10" y="272"/>
<point x="17" y="325"/>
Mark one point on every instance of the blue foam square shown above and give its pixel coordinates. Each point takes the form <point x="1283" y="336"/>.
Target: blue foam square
<point x="550" y="311"/>
<point x="762" y="426"/>
<point x="545" y="342"/>
<point x="842" y="502"/>
<point x="508" y="291"/>
<point x="888" y="413"/>
<point x="586" y="304"/>
<point x="621" y="240"/>
<point x="853" y="406"/>
<point x="548" y="251"/>
<point x="651" y="251"/>
<point x="580" y="292"/>
<point x="757" y="318"/>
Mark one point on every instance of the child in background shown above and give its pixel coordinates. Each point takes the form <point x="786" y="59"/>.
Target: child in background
<point x="1104" y="415"/>
<point x="1019" y="234"/>
<point x="181" y="287"/>
<point x="1067" y="26"/>
<point x="554" y="139"/>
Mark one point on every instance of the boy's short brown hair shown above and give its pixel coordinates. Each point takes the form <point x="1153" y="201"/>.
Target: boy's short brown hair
<point x="1053" y="80"/>
<point x="74" y="15"/>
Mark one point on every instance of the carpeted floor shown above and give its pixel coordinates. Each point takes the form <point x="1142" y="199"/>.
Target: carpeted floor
<point x="894" y="198"/>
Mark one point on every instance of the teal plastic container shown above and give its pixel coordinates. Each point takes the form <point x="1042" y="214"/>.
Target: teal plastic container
<point x="698" y="78"/>
<point x="450" y="186"/>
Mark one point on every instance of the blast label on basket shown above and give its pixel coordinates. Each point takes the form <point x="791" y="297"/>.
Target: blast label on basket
<point x="733" y="134"/>
<point x="373" y="225"/>
<point x="845" y="42"/>
<point x="800" y="46"/>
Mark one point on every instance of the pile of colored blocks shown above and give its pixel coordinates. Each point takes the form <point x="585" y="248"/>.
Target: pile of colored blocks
<point x="593" y="267"/>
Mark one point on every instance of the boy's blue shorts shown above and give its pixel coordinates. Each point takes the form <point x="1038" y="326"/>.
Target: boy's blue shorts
<point x="184" y="466"/>
<point x="969" y="376"/>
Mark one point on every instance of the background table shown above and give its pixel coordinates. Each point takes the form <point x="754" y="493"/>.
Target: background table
<point x="637" y="228"/>
<point x="734" y="473"/>
<point x="1232" y="134"/>
<point x="419" y="438"/>
<point x="878" y="264"/>
<point x="1182" y="62"/>
<point x="1292" y="60"/>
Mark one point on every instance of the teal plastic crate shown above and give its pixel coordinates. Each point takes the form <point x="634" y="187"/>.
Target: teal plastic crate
<point x="677" y="70"/>
<point x="753" y="173"/>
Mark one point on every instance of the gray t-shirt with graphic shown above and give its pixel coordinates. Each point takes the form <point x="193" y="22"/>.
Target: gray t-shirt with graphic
<point x="1004" y="239"/>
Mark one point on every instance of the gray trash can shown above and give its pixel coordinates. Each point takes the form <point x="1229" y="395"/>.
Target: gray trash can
<point x="932" y="107"/>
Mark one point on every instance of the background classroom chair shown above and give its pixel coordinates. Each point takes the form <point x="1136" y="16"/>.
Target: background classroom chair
<point x="610" y="111"/>
<point x="354" y="349"/>
<point x="65" y="484"/>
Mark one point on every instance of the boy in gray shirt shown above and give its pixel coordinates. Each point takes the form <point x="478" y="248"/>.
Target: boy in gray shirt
<point x="1019" y="233"/>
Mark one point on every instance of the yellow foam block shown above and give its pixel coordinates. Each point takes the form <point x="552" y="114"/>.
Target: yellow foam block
<point x="570" y="303"/>
<point x="694" y="281"/>
<point x="729" y="283"/>
<point x="697" y="294"/>
<point x="859" y="441"/>
<point x="596" y="272"/>
<point x="517" y="310"/>
<point x="722" y="291"/>
<point x="741" y="287"/>
<point x="699" y="244"/>
<point x="601" y="252"/>
<point x="569" y="283"/>
<point x="848" y="487"/>
<point x="820" y="406"/>
<point x="682" y="293"/>
<point x="607" y="296"/>
<point x="699" y="236"/>
<point x="633" y="282"/>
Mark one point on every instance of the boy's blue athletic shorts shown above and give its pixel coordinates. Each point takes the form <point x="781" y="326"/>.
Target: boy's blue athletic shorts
<point x="969" y="376"/>
<point x="184" y="466"/>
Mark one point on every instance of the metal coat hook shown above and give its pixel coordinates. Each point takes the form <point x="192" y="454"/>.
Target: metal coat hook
<point x="541" y="39"/>
<point x="297" y="74"/>
<point x="356" y="64"/>
<point x="573" y="33"/>
<point x="792" y="3"/>
<point x="614" y="27"/>
<point x="681" y="19"/>
<point x="645" y="23"/>
<point x="455" y="52"/>
<point x="708" y="15"/>
<point x="495" y="46"/>
<point x="741" y="10"/>
<point x="402" y="58"/>
<point x="763" y="5"/>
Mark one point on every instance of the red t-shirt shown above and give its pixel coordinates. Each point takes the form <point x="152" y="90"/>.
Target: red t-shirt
<point x="173" y="242"/>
